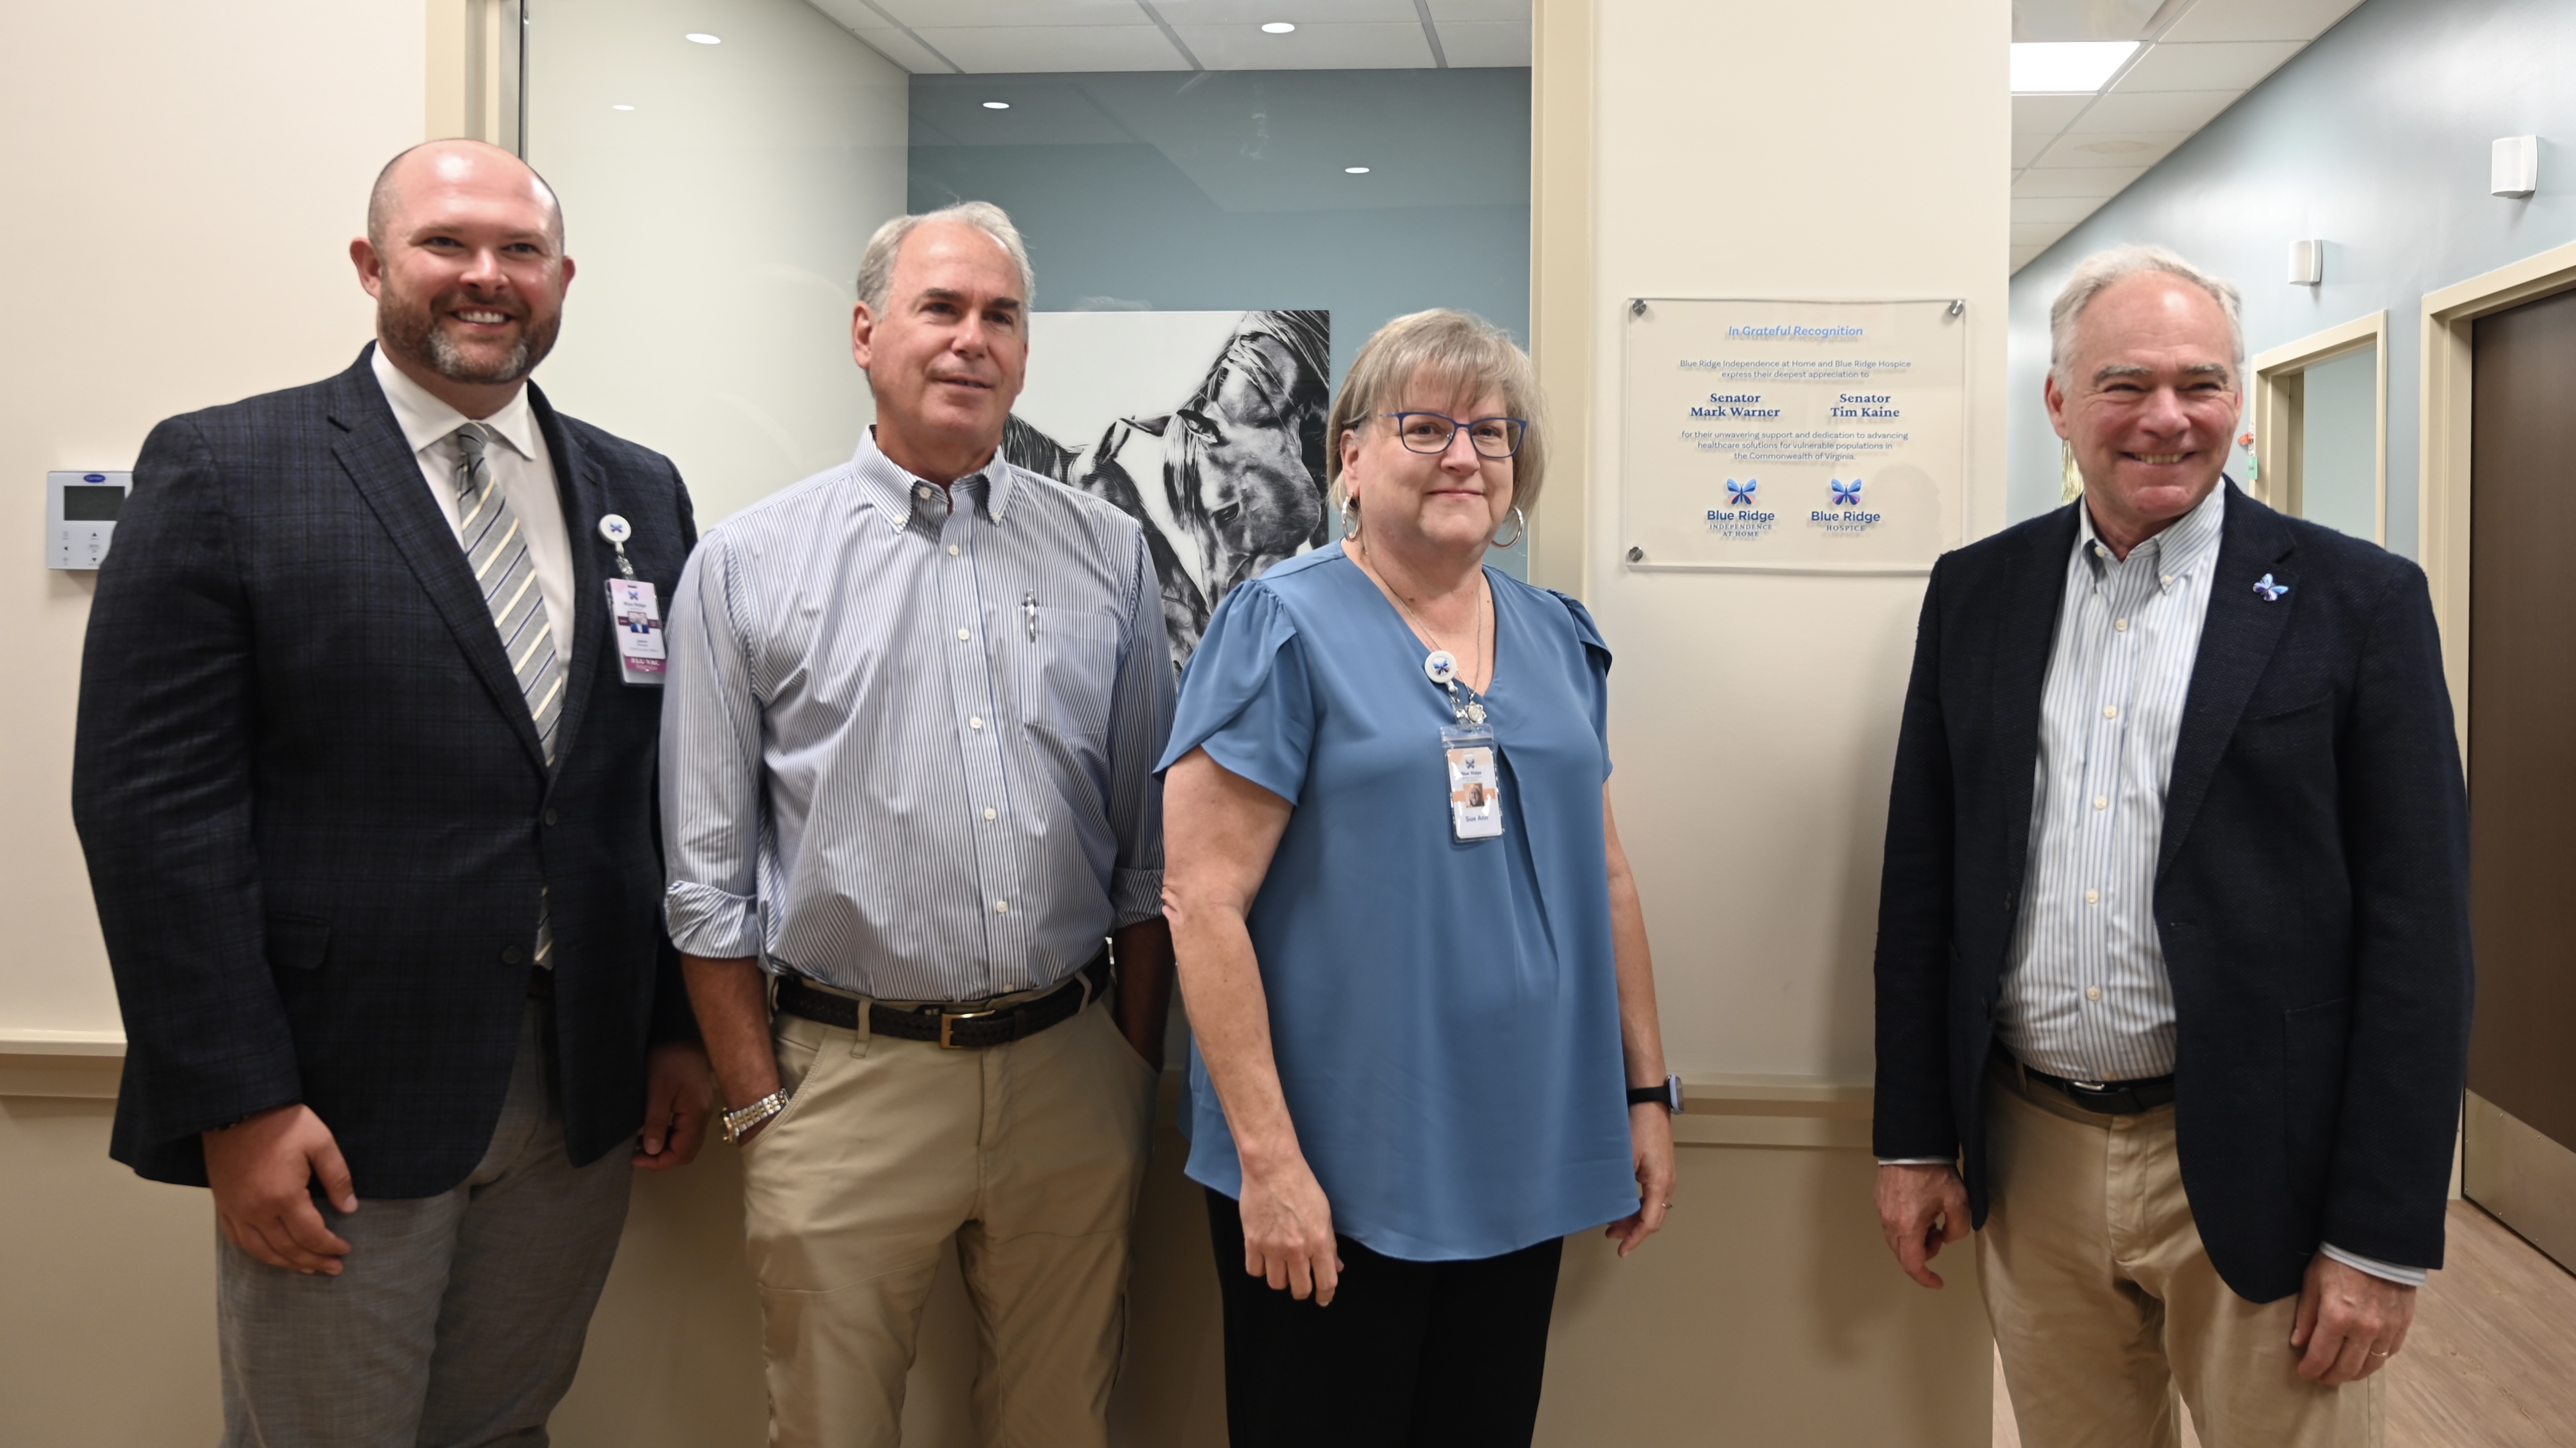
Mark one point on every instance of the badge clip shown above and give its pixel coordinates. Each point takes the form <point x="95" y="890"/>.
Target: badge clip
<point x="617" y="530"/>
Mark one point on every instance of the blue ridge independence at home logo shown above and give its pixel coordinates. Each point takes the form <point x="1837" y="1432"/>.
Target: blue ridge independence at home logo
<point x="1741" y="517"/>
<point x="1843" y="512"/>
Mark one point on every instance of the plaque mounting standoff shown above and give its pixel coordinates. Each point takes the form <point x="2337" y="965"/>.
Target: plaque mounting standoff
<point x="1636" y="306"/>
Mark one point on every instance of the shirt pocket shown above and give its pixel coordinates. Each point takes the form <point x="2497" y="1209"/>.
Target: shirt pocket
<point x="1068" y="671"/>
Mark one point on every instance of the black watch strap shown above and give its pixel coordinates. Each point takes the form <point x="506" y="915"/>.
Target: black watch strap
<point x="1667" y="1096"/>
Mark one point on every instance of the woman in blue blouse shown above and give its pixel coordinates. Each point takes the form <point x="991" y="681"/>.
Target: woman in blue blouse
<point x="1416" y="968"/>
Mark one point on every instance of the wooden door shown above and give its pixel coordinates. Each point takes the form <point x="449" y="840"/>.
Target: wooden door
<point x="2521" y="1147"/>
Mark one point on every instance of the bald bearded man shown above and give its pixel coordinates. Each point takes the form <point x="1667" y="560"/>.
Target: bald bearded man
<point x="364" y="779"/>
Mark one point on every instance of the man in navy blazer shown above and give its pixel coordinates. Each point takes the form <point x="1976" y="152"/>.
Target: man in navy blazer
<point x="367" y="801"/>
<point x="2174" y="971"/>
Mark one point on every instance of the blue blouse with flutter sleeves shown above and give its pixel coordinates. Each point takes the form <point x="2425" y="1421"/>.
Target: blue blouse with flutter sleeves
<point x="1445" y="1014"/>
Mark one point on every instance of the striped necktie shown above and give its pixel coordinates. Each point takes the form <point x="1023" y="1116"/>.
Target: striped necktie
<point x="497" y="551"/>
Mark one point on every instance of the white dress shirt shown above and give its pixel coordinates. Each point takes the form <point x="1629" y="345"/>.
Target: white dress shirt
<point x="521" y="466"/>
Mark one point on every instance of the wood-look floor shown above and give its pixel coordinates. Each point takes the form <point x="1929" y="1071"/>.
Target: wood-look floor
<point x="2491" y="1362"/>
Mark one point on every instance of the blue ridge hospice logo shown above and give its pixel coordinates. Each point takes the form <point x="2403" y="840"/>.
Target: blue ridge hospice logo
<point x="1843" y="512"/>
<point x="1741" y="517"/>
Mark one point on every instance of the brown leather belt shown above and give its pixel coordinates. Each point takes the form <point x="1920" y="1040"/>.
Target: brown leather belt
<point x="2111" y="1098"/>
<point x="958" y="1026"/>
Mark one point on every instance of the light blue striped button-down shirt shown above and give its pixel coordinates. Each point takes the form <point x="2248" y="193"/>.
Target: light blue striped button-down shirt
<point x="907" y="746"/>
<point x="2085" y="994"/>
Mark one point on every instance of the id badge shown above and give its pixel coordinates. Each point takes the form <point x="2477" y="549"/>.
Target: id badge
<point x="1475" y="783"/>
<point x="635" y="621"/>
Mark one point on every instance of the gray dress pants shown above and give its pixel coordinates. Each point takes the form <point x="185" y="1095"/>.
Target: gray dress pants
<point x="457" y="1320"/>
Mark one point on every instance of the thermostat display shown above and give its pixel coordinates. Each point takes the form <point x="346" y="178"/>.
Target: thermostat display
<point x="80" y="516"/>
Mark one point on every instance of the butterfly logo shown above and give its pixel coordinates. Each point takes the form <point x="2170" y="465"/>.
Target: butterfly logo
<point x="1740" y="495"/>
<point x="1846" y="495"/>
<point x="2271" y="591"/>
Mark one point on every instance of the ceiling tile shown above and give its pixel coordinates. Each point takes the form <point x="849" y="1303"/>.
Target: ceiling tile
<point x="1485" y="42"/>
<point x="2081" y="19"/>
<point x="2129" y="149"/>
<point x="854" y="14"/>
<point x="2064" y="209"/>
<point x="2096" y="181"/>
<point x="2259" y="19"/>
<point x="2222" y="65"/>
<point x="2153" y="111"/>
<point x="2045" y="115"/>
<point x="2026" y="149"/>
<point x="2041" y="234"/>
<point x="902" y="49"/>
<point x="1035" y="48"/>
<point x="1362" y="46"/>
<point x="1297" y="12"/>
<point x="1445" y="11"/>
<point x="952" y="14"/>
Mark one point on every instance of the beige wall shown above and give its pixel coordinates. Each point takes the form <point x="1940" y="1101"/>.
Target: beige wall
<point x="183" y="179"/>
<point x="1686" y="147"/>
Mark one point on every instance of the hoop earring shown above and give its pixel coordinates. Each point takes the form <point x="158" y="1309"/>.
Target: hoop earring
<point x="1520" y="525"/>
<point x="1350" y="520"/>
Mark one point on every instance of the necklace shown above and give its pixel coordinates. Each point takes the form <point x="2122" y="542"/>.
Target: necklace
<point x="1440" y="664"/>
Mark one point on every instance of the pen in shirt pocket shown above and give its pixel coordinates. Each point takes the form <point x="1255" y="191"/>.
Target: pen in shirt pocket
<point x="1029" y="605"/>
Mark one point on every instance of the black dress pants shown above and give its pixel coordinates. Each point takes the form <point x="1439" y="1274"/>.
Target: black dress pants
<point x="1410" y="1354"/>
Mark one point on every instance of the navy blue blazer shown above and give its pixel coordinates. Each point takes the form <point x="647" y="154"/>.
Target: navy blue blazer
<point x="316" y="812"/>
<point x="2312" y="888"/>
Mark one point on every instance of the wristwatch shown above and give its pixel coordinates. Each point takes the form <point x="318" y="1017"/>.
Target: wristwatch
<point x="1667" y="1096"/>
<point x="738" y="1122"/>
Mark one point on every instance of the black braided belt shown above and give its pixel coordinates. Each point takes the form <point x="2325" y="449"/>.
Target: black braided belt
<point x="956" y="1026"/>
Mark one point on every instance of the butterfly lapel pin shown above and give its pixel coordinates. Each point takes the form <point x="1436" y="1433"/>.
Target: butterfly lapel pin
<point x="2271" y="591"/>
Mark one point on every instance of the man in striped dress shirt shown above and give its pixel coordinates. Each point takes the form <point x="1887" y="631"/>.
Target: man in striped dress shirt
<point x="2173" y="961"/>
<point x="915" y="703"/>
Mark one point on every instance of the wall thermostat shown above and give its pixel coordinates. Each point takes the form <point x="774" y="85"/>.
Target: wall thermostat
<point x="80" y="516"/>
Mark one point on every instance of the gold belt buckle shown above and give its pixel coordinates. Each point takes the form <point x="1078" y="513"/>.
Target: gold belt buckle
<point x="948" y="1023"/>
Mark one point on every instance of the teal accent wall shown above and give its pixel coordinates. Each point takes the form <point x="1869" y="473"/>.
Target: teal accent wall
<point x="2375" y="139"/>
<point x="1219" y="190"/>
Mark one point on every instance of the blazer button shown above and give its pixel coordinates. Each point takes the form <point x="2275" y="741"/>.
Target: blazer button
<point x="550" y="819"/>
<point x="513" y="955"/>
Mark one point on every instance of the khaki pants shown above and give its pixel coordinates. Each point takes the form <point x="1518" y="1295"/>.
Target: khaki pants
<point x="2104" y="1302"/>
<point x="1030" y="1155"/>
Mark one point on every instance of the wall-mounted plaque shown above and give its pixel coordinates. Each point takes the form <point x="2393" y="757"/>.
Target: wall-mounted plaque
<point x="1787" y="436"/>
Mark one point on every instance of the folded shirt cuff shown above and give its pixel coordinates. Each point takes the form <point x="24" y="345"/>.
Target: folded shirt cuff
<point x="1134" y="895"/>
<point x="711" y="923"/>
<point x="2386" y="1271"/>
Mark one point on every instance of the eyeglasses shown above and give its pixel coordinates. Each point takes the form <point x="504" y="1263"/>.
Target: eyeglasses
<point x="1430" y="432"/>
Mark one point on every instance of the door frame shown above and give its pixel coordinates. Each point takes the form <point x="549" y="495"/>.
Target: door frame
<point x="2279" y="404"/>
<point x="2442" y="486"/>
<point x="2521" y="1176"/>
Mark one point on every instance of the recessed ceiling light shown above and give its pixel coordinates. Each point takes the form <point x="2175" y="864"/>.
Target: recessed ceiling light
<point x="616" y="107"/>
<point x="1355" y="170"/>
<point x="2040" y="67"/>
<point x="2117" y="148"/>
<point x="997" y="105"/>
<point x="702" y="38"/>
<point x="1277" y="27"/>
